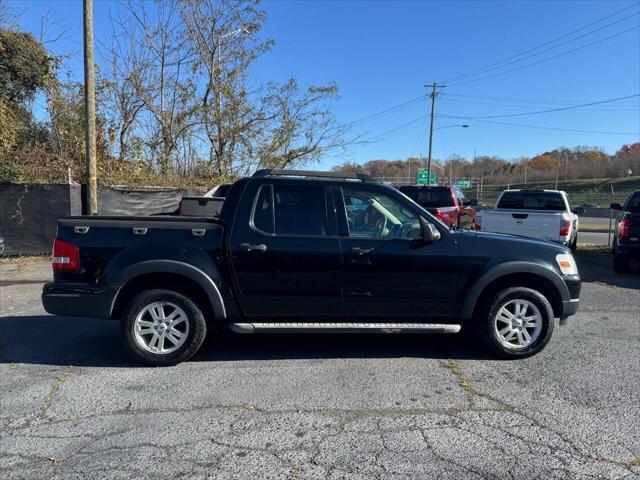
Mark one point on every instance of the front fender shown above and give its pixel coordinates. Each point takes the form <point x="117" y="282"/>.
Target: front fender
<point x="510" y="268"/>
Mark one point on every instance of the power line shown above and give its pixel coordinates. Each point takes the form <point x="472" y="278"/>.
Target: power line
<point x="546" y="128"/>
<point x="383" y="112"/>
<point x="552" y="47"/>
<point x="377" y="137"/>
<point x="550" y="104"/>
<point x="525" y="100"/>
<point x="548" y="58"/>
<point x="559" y="109"/>
<point x="456" y="77"/>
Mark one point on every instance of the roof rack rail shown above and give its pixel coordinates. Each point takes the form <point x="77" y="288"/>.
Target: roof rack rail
<point x="271" y="172"/>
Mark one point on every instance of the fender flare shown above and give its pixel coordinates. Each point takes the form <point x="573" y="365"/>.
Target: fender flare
<point x="172" y="266"/>
<point x="509" y="268"/>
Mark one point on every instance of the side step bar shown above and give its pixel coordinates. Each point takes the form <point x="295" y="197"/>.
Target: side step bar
<point x="298" y="327"/>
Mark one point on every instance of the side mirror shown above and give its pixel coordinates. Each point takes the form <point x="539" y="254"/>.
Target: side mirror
<point x="615" y="206"/>
<point x="471" y="203"/>
<point x="430" y="233"/>
<point x="578" y="211"/>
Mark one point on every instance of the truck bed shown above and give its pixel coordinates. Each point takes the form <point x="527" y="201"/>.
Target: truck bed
<point x="107" y="242"/>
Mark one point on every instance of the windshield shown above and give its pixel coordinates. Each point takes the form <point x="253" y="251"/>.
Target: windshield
<point x="429" y="196"/>
<point x="532" y="201"/>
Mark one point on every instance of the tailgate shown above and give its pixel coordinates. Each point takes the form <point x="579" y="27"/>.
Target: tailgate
<point x="541" y="225"/>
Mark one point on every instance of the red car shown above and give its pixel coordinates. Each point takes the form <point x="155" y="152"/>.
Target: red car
<point x="447" y="204"/>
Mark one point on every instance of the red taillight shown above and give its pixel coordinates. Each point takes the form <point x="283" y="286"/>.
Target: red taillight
<point x="438" y="214"/>
<point x="623" y="227"/>
<point x="66" y="256"/>
<point x="565" y="225"/>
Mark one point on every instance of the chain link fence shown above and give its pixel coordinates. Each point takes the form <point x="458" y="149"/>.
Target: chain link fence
<point x="594" y="197"/>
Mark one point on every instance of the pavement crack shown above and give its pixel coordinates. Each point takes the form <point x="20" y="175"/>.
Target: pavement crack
<point x="53" y="391"/>
<point x="465" y="382"/>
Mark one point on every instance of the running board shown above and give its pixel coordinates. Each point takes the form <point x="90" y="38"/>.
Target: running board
<point x="344" y="327"/>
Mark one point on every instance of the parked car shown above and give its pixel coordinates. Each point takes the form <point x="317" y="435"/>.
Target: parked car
<point x="626" y="235"/>
<point x="447" y="204"/>
<point x="542" y="214"/>
<point x="287" y="255"/>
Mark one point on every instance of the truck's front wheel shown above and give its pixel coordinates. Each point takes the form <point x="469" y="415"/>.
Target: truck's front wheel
<point x="163" y="327"/>
<point x="517" y="322"/>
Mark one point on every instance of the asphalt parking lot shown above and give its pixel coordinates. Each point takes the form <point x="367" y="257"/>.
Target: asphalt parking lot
<point x="72" y="405"/>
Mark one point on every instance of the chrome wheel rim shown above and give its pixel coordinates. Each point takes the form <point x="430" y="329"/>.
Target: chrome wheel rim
<point x="161" y="327"/>
<point x="518" y="324"/>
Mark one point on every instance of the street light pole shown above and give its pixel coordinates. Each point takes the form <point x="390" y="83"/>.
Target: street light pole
<point x="433" y="108"/>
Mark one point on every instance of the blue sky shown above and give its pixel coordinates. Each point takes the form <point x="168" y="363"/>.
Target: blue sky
<point x="382" y="53"/>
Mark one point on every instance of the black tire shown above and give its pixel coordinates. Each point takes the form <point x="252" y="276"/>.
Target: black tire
<point x="197" y="328"/>
<point x="493" y="305"/>
<point x="621" y="263"/>
<point x="573" y="246"/>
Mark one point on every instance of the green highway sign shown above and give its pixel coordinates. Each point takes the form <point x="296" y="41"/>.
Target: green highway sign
<point x="463" y="184"/>
<point x="422" y="177"/>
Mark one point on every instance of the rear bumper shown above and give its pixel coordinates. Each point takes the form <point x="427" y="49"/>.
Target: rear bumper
<point x="629" y="248"/>
<point x="78" y="301"/>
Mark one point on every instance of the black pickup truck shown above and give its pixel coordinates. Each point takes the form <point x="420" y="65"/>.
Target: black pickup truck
<point x="297" y="251"/>
<point x="626" y="235"/>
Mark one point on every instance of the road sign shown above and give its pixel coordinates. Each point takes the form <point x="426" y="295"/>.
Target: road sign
<point x="422" y="177"/>
<point x="463" y="184"/>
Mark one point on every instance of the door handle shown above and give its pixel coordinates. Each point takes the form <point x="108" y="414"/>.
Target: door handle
<point x="361" y="251"/>
<point x="247" y="247"/>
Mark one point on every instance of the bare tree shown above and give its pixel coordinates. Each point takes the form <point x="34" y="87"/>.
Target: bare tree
<point x="224" y="38"/>
<point x="9" y="15"/>
<point x="163" y="80"/>
<point x="125" y="65"/>
<point x="303" y="127"/>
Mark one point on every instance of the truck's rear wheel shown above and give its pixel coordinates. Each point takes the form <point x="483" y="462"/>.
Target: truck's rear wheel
<point x="517" y="322"/>
<point x="163" y="327"/>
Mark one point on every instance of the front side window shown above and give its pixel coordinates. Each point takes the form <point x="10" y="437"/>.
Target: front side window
<point x="373" y="214"/>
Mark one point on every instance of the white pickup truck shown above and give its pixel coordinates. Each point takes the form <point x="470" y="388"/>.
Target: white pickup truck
<point x="542" y="214"/>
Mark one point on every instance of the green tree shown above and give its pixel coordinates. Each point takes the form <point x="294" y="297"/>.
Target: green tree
<point x="25" y="67"/>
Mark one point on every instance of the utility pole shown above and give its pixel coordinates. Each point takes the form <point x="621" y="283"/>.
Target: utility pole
<point x="90" y="109"/>
<point x="433" y="108"/>
<point x="566" y="165"/>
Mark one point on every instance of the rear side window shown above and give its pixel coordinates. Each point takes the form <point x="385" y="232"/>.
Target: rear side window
<point x="300" y="210"/>
<point x="429" y="196"/>
<point x="262" y="217"/>
<point x="290" y="210"/>
<point x="532" y="201"/>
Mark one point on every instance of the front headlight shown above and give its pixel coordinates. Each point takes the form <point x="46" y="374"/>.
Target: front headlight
<point x="567" y="264"/>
